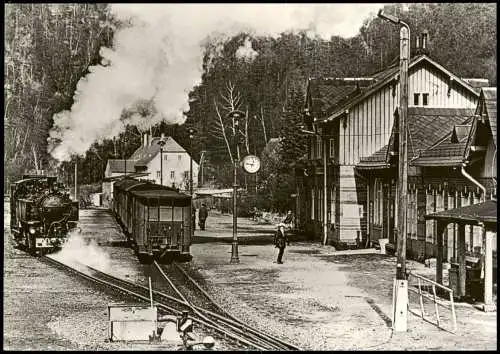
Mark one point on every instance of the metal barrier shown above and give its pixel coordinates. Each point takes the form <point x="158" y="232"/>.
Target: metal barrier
<point x="420" y="286"/>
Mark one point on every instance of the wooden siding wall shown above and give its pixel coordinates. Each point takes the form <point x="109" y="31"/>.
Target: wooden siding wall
<point x="369" y="123"/>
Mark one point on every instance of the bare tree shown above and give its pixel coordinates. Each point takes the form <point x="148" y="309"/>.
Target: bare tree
<point x="232" y="100"/>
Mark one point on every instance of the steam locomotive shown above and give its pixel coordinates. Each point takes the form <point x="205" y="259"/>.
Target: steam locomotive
<point x="41" y="214"/>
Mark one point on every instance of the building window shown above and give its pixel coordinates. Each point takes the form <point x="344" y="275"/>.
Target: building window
<point x="158" y="175"/>
<point x="179" y="157"/>
<point x="186" y="174"/>
<point x="165" y="157"/>
<point x="416" y="98"/>
<point x="425" y="99"/>
<point x="332" y="205"/>
<point x="378" y="202"/>
<point x="332" y="148"/>
<point x="319" y="147"/>
<point x="172" y="174"/>
<point x="412" y="214"/>
<point x="430" y="206"/>
<point x="452" y="229"/>
<point x="313" y="204"/>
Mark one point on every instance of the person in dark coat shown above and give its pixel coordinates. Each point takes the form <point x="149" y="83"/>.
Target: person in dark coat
<point x="202" y="216"/>
<point x="280" y="242"/>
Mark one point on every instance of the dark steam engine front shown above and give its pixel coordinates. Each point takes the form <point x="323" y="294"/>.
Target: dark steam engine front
<point x="42" y="214"/>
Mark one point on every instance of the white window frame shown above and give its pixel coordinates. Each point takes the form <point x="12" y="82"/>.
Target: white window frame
<point x="313" y="205"/>
<point x="158" y="174"/>
<point x="430" y="207"/>
<point x="332" y="148"/>
<point x="172" y="175"/>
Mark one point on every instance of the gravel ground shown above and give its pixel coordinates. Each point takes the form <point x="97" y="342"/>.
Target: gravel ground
<point x="319" y="299"/>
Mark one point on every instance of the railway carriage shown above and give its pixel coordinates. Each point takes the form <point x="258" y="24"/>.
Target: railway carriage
<point x="155" y="218"/>
<point x="41" y="214"/>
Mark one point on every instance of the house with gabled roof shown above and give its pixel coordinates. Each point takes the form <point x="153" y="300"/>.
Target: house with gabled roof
<point x="351" y="120"/>
<point x="171" y="160"/>
<point x="149" y="161"/>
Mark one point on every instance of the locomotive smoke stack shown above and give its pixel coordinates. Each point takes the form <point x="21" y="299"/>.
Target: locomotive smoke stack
<point x="157" y="59"/>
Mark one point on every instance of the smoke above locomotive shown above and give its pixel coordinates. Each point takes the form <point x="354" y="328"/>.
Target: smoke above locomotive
<point x="157" y="59"/>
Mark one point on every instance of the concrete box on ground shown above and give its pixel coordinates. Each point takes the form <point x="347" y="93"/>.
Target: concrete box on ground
<point x="131" y="322"/>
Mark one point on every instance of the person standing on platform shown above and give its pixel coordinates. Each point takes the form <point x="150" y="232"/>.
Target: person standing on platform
<point x="202" y="216"/>
<point x="280" y="242"/>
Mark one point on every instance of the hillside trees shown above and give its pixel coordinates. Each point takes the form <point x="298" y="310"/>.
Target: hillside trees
<point x="48" y="48"/>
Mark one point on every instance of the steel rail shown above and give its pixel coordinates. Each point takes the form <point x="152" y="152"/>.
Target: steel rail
<point x="199" y="312"/>
<point x="226" y="318"/>
<point x="146" y="298"/>
<point x="230" y="318"/>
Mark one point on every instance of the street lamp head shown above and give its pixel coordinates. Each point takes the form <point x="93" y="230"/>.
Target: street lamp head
<point x="389" y="18"/>
<point x="236" y="115"/>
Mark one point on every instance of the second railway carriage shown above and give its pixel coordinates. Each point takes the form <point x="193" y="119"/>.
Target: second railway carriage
<point x="155" y="218"/>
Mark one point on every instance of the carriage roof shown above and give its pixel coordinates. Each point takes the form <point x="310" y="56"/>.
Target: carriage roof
<point x="162" y="197"/>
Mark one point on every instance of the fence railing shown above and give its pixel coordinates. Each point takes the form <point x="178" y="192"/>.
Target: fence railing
<point x="425" y="290"/>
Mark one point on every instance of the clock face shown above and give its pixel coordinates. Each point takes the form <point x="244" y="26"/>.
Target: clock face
<point x="251" y="163"/>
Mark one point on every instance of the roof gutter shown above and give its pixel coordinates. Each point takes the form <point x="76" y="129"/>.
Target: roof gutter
<point x="470" y="178"/>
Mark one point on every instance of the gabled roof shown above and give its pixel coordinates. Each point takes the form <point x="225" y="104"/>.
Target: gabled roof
<point x="391" y="74"/>
<point x="490" y="100"/>
<point x="145" y="154"/>
<point x="487" y="109"/>
<point x="374" y="161"/>
<point x="325" y="94"/>
<point x="449" y="151"/>
<point x="474" y="214"/>
<point x="118" y="165"/>
<point x="426" y="128"/>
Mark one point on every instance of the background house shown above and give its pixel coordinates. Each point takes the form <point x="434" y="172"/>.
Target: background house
<point x="148" y="162"/>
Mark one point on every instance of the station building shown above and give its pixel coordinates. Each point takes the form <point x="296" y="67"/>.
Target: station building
<point x="352" y="120"/>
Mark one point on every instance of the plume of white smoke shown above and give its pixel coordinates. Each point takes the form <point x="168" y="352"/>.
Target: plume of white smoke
<point x="246" y="52"/>
<point x="78" y="250"/>
<point x="158" y="59"/>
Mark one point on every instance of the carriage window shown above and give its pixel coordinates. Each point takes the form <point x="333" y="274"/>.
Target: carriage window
<point x="178" y="214"/>
<point x="153" y="213"/>
<point x="165" y="213"/>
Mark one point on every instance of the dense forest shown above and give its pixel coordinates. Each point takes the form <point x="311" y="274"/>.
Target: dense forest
<point x="50" y="47"/>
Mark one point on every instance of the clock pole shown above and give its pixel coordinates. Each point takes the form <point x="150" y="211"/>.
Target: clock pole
<point x="235" y="116"/>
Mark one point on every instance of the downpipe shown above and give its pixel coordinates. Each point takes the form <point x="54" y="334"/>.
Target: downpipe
<point x="470" y="178"/>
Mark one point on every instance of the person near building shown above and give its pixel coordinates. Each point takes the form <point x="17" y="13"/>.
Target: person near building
<point x="202" y="216"/>
<point x="280" y="242"/>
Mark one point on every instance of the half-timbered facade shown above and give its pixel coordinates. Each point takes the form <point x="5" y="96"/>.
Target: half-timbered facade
<point x="353" y="120"/>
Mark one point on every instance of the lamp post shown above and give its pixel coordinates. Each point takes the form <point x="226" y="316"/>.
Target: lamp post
<point x="162" y="144"/>
<point x="235" y="115"/>
<point x="400" y="292"/>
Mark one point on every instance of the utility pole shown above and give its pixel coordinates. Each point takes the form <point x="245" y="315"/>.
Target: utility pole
<point x="400" y="287"/>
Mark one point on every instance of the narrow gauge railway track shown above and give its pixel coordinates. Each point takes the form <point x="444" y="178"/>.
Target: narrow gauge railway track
<point x="164" y="302"/>
<point x="203" y="305"/>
